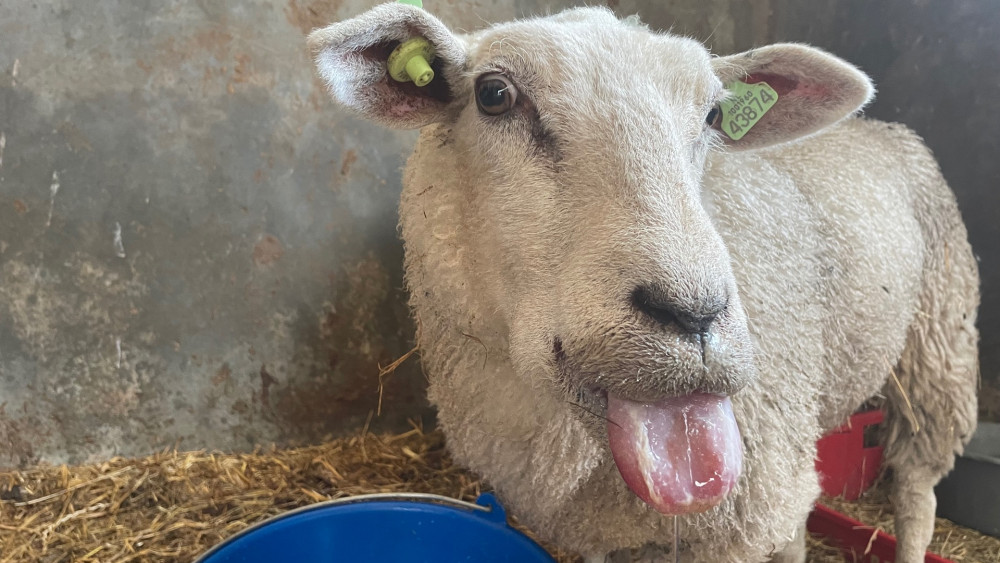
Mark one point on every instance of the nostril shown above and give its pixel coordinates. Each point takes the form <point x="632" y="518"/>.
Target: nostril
<point x="696" y="324"/>
<point x="696" y="318"/>
<point x="647" y="303"/>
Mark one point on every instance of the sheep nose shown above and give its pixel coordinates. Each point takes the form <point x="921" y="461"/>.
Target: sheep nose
<point x="695" y="317"/>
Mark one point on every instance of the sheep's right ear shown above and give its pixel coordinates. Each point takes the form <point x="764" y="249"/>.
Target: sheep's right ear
<point x="351" y="57"/>
<point x="814" y="90"/>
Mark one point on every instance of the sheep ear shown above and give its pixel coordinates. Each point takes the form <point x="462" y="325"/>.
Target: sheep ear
<point x="352" y="55"/>
<point x="814" y="90"/>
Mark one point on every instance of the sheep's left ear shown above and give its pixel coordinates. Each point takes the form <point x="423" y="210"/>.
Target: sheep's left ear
<point x="814" y="90"/>
<point x="351" y="57"/>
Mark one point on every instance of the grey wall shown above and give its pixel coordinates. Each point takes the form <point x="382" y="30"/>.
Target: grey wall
<point x="198" y="249"/>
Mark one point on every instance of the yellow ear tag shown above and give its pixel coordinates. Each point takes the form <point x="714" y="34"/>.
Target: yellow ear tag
<point x="411" y="61"/>
<point x="744" y="107"/>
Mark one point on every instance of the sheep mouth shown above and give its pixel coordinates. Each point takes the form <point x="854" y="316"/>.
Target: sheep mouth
<point x="646" y="368"/>
<point x="679" y="454"/>
<point x="591" y="400"/>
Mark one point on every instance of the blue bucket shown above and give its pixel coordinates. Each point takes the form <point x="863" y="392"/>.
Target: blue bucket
<point x="381" y="528"/>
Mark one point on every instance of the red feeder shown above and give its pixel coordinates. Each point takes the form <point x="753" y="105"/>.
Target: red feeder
<point x="858" y="542"/>
<point x="849" y="458"/>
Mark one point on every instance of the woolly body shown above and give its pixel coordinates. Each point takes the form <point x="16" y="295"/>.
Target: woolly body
<point x="841" y="254"/>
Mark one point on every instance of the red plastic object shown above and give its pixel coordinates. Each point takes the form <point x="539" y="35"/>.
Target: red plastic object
<point x="859" y="543"/>
<point x="846" y="467"/>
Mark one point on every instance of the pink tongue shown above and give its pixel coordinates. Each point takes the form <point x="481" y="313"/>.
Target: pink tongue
<point x="680" y="455"/>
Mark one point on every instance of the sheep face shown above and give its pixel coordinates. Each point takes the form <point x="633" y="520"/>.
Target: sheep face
<point x="610" y="275"/>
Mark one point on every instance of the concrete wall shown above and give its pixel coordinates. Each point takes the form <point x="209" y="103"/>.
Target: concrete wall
<point x="198" y="249"/>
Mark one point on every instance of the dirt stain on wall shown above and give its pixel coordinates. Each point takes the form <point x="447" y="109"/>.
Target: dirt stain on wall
<point x="222" y="375"/>
<point x="350" y="157"/>
<point x="343" y="353"/>
<point x="266" y="381"/>
<point x="16" y="437"/>
<point x="267" y="250"/>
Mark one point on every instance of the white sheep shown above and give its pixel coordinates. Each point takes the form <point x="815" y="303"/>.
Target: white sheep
<point x="584" y="243"/>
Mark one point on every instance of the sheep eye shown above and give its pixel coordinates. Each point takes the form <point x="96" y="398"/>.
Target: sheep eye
<point x="713" y="116"/>
<point x="495" y="94"/>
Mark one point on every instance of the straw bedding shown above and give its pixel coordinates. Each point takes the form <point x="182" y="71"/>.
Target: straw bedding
<point x="174" y="505"/>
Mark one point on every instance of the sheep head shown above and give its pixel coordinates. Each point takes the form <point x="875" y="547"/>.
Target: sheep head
<point x="572" y="150"/>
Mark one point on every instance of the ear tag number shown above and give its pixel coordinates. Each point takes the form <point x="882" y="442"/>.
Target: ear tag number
<point x="744" y="107"/>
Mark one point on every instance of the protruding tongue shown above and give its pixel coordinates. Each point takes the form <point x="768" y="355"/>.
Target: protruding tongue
<point x="680" y="455"/>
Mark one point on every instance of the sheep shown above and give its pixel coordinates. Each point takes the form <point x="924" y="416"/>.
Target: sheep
<point x="593" y="260"/>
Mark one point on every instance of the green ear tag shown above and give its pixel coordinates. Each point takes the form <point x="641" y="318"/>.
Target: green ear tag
<point x="411" y="60"/>
<point x="744" y="107"/>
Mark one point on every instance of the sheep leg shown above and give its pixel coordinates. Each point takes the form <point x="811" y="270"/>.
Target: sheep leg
<point x="795" y="551"/>
<point x="931" y="408"/>
<point x="915" y="505"/>
<point x="930" y="415"/>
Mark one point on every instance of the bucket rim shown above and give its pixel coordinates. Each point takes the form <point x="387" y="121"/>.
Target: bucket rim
<point x="420" y="498"/>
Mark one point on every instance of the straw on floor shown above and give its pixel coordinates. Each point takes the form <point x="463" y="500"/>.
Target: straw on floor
<point x="174" y="505"/>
